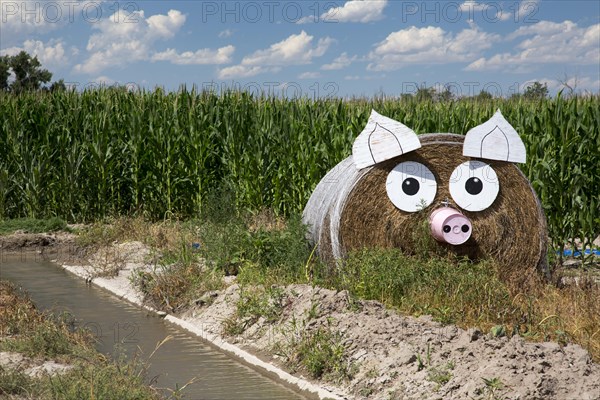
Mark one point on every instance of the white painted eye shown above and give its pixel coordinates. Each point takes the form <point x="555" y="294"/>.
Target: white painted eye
<point x="474" y="185"/>
<point x="411" y="186"/>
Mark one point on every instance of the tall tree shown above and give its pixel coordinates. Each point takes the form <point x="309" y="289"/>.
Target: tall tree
<point x="28" y="73"/>
<point x="536" y="91"/>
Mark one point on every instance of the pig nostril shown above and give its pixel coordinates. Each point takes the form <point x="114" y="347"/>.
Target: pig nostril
<point x="447" y="228"/>
<point x="465" y="228"/>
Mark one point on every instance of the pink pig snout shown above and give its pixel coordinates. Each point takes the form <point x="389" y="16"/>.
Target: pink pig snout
<point x="450" y="226"/>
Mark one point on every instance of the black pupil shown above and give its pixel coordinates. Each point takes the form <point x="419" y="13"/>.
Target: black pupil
<point x="474" y="186"/>
<point x="410" y="186"/>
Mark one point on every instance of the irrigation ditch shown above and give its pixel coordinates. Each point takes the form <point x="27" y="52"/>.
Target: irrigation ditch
<point x="182" y="355"/>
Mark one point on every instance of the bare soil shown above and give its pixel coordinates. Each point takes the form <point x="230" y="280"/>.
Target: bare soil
<point x="401" y="357"/>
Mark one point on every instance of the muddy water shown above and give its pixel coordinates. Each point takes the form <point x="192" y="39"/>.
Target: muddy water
<point x="117" y="324"/>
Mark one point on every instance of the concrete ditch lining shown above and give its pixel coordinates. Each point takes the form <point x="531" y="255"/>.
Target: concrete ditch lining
<point x="122" y="288"/>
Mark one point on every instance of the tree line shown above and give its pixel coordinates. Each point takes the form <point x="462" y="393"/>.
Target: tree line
<point x="28" y="75"/>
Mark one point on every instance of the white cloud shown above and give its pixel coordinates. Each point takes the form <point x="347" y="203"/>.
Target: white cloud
<point x="584" y="84"/>
<point x="352" y="11"/>
<point x="199" y="57"/>
<point x="22" y="19"/>
<point x="411" y="39"/>
<point x="294" y="50"/>
<point x="226" y="33"/>
<point x="543" y="28"/>
<point x="240" y="71"/>
<point x="363" y="78"/>
<point x="50" y="54"/>
<point x="429" y="45"/>
<point x="121" y="41"/>
<point x="126" y="38"/>
<point x="471" y="5"/>
<point x="309" y="75"/>
<point x="340" y="62"/>
<point x="165" y="26"/>
<point x="545" y="43"/>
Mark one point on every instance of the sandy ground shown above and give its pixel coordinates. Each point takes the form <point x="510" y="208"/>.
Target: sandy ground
<point x="392" y="356"/>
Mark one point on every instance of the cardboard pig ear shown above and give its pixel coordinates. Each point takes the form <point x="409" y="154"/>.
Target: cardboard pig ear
<point x="382" y="139"/>
<point x="495" y="139"/>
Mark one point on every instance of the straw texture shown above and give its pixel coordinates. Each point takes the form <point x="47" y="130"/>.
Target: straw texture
<point x="350" y="209"/>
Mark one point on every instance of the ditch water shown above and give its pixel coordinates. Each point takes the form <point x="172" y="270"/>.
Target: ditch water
<point x="117" y="323"/>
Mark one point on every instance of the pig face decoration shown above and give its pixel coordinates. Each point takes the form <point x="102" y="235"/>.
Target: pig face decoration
<point x="477" y="201"/>
<point x="412" y="186"/>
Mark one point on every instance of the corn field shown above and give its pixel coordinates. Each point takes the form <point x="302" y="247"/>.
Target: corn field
<point x="85" y="156"/>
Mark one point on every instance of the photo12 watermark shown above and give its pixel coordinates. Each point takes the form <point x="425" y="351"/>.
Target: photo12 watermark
<point x="52" y="12"/>
<point x="478" y="12"/>
<point x="288" y="89"/>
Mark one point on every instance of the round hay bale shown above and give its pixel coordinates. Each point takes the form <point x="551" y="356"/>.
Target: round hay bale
<point x="350" y="210"/>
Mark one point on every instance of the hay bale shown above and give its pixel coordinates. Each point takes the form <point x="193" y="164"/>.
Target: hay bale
<point x="350" y="210"/>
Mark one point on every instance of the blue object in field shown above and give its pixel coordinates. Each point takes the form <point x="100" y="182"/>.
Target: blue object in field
<point x="195" y="246"/>
<point x="587" y="252"/>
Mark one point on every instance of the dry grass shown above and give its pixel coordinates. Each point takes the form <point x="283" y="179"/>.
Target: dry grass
<point x="266" y="220"/>
<point x="163" y="236"/>
<point x="570" y="313"/>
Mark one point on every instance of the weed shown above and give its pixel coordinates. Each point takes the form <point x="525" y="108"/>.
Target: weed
<point x="441" y="375"/>
<point x="255" y="303"/>
<point x="319" y="351"/>
<point x="493" y="383"/>
<point x="450" y="290"/>
<point x="174" y="287"/>
<point x="313" y="311"/>
<point x="498" y="331"/>
<point x="492" y="387"/>
<point x="420" y="363"/>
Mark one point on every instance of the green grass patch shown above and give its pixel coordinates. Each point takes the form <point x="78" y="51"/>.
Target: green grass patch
<point x="32" y="225"/>
<point x="451" y="290"/>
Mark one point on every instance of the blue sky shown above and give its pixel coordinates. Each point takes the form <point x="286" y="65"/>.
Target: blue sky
<point x="341" y="48"/>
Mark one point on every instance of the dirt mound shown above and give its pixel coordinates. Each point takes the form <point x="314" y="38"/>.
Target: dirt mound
<point x="35" y="241"/>
<point x="398" y="357"/>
